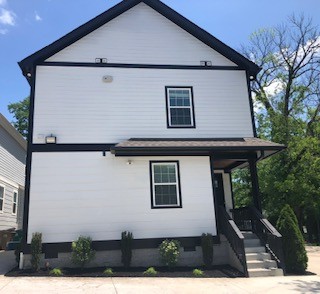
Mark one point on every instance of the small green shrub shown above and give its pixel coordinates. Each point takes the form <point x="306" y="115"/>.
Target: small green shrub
<point x="108" y="272"/>
<point x="295" y="254"/>
<point x="82" y="252"/>
<point x="150" y="272"/>
<point x="126" y="248"/>
<point x="36" y="251"/>
<point x="56" y="272"/>
<point x="207" y="249"/>
<point x="169" y="252"/>
<point x="198" y="273"/>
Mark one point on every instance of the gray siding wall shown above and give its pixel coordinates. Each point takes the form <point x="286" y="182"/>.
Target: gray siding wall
<point x="12" y="177"/>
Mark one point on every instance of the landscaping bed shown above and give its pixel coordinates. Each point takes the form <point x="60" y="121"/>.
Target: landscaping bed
<point x="179" y="272"/>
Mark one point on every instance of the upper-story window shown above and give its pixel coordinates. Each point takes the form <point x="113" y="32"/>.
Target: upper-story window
<point x="1" y="198"/>
<point x="180" y="110"/>
<point x="15" y="202"/>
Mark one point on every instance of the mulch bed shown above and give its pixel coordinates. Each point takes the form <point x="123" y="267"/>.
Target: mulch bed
<point x="179" y="272"/>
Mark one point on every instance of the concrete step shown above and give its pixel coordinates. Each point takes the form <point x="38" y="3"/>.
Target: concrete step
<point x="252" y="243"/>
<point x="257" y="249"/>
<point x="256" y="264"/>
<point x="249" y="235"/>
<point x="258" y="256"/>
<point x="262" y="272"/>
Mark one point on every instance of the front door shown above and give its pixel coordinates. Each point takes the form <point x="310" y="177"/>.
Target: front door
<point x="218" y="189"/>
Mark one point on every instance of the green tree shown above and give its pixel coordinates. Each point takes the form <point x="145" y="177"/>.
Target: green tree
<point x="20" y="111"/>
<point x="287" y="102"/>
<point x="295" y="254"/>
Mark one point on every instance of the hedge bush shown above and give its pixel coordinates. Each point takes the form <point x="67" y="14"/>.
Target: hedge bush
<point x="207" y="249"/>
<point x="126" y="248"/>
<point x="169" y="252"/>
<point x="82" y="252"/>
<point x="295" y="254"/>
<point x="36" y="251"/>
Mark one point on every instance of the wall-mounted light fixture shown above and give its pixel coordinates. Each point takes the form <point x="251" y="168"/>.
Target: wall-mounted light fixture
<point x="101" y="60"/>
<point x="251" y="78"/>
<point x="29" y="75"/>
<point x="107" y="79"/>
<point x="206" y="63"/>
<point x="51" y="139"/>
<point x="129" y="162"/>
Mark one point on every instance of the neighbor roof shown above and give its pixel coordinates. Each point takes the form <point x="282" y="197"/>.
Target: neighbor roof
<point x="28" y="63"/>
<point x="13" y="132"/>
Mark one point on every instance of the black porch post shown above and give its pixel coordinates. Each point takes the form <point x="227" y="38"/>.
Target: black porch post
<point x="255" y="184"/>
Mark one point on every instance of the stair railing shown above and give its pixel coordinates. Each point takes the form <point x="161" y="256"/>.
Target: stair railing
<point x="234" y="236"/>
<point x="249" y="218"/>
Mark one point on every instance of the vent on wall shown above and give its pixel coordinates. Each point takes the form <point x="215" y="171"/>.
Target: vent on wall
<point x="101" y="60"/>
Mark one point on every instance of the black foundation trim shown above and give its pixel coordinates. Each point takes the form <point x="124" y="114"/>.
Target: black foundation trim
<point x="51" y="250"/>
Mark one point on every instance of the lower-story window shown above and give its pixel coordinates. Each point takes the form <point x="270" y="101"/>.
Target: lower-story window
<point x="15" y="202"/>
<point x="1" y="198"/>
<point x="165" y="184"/>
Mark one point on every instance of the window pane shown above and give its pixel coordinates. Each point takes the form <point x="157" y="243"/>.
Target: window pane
<point x="180" y="116"/>
<point x="14" y="208"/>
<point x="1" y="198"/>
<point x="165" y="173"/>
<point x="15" y="195"/>
<point x="179" y="97"/>
<point x="166" y="194"/>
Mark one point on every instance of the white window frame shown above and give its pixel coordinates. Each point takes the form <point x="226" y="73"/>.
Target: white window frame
<point x="16" y="203"/>
<point x="3" y="197"/>
<point x="177" y="184"/>
<point x="191" y="107"/>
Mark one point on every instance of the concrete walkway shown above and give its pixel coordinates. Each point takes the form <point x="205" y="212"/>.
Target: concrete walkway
<point x="274" y="285"/>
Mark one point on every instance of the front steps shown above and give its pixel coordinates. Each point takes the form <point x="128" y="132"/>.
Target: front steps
<point x="259" y="262"/>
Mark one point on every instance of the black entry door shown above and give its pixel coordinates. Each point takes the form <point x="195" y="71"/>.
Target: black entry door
<point x="218" y="189"/>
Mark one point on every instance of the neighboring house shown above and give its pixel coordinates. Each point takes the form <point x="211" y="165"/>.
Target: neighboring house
<point x="13" y="150"/>
<point x="138" y="118"/>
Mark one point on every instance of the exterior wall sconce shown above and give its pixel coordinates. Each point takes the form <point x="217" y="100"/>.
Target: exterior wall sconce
<point x="107" y="79"/>
<point x="206" y="63"/>
<point x="129" y="162"/>
<point x="51" y="139"/>
<point x="101" y="60"/>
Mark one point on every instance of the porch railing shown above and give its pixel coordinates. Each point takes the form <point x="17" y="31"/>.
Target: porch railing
<point x="234" y="236"/>
<point x="250" y="219"/>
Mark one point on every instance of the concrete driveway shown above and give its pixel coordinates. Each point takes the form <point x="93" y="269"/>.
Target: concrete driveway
<point x="274" y="285"/>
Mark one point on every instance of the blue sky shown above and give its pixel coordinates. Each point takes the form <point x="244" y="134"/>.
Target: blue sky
<point x="28" y="25"/>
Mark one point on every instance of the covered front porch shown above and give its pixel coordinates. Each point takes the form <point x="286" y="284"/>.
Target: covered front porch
<point x="255" y="242"/>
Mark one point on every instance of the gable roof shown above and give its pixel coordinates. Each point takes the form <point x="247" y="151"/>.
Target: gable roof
<point x="13" y="132"/>
<point x="28" y="63"/>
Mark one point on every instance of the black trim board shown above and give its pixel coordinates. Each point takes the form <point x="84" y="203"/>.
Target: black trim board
<point x="28" y="164"/>
<point x="215" y="200"/>
<point x="70" y="147"/>
<point x="28" y="63"/>
<point x="254" y="128"/>
<point x="51" y="250"/>
<point x="134" y="65"/>
<point x="193" y="126"/>
<point x="151" y="184"/>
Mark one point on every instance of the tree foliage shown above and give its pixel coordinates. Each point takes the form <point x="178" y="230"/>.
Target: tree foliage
<point x="20" y="111"/>
<point x="287" y="103"/>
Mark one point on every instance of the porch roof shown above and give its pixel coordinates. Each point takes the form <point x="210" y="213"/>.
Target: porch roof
<point x="205" y="146"/>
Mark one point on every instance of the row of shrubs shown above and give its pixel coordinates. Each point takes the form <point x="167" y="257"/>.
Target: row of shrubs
<point x="82" y="252"/>
<point x="150" y="272"/>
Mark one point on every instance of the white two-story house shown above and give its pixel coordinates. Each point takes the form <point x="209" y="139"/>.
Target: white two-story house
<point x="137" y="119"/>
<point x="13" y="150"/>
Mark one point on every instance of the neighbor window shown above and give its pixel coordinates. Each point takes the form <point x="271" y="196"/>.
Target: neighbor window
<point x="1" y="198"/>
<point x="180" y="112"/>
<point x="15" y="202"/>
<point x="165" y="186"/>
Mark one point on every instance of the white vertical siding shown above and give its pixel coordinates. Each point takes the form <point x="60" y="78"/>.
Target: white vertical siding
<point x="84" y="193"/>
<point x="141" y="35"/>
<point x="77" y="106"/>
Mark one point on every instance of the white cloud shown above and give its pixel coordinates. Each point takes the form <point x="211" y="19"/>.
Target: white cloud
<point x="36" y="16"/>
<point x="274" y="88"/>
<point x="7" y="17"/>
<point x="3" y="31"/>
<point x="3" y="2"/>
